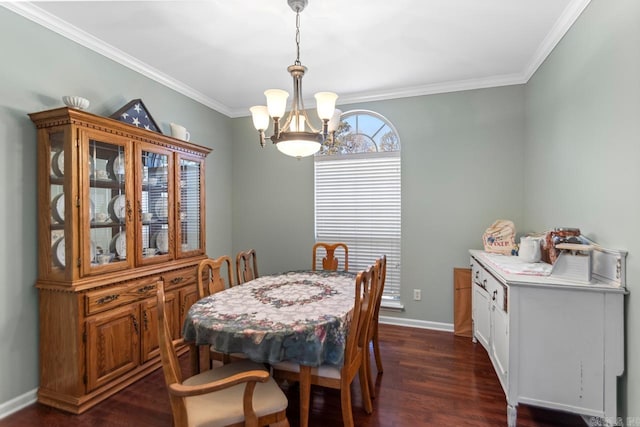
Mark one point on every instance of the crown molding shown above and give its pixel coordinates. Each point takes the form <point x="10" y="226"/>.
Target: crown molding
<point x="568" y="17"/>
<point x="45" y="19"/>
<point x="433" y="89"/>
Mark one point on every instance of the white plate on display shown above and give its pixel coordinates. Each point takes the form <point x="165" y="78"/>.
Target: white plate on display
<point x="92" y="166"/>
<point x="58" y="252"/>
<point x="115" y="167"/>
<point x="92" y="210"/>
<point x="57" y="208"/>
<point x="162" y="241"/>
<point x="57" y="164"/>
<point x="160" y="207"/>
<point x="119" y="245"/>
<point x="117" y="208"/>
<point x="92" y="251"/>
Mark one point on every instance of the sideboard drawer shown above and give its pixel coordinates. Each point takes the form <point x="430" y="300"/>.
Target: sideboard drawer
<point x="117" y="295"/>
<point x="180" y="277"/>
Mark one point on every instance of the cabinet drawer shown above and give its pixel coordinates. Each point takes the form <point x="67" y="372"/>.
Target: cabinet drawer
<point x="179" y="278"/>
<point x="476" y="272"/>
<point x="498" y="292"/>
<point x="114" y="296"/>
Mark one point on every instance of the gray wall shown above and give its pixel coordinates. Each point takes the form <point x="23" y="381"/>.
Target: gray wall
<point x="582" y="147"/>
<point x="38" y="67"/>
<point x="461" y="159"/>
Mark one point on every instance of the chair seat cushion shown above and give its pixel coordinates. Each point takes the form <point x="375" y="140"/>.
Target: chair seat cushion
<point x="227" y="404"/>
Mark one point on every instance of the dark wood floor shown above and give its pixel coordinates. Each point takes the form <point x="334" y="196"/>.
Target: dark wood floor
<point x="431" y="379"/>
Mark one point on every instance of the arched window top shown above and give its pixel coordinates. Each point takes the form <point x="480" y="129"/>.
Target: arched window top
<point x="362" y="131"/>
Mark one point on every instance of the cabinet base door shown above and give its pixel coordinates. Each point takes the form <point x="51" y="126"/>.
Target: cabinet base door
<point x="481" y="313"/>
<point x="112" y="345"/>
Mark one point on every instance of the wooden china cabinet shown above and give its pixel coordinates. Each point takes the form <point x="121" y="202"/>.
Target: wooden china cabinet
<point x="121" y="209"/>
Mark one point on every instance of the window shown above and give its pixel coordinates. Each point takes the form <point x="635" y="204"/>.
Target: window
<point x="357" y="194"/>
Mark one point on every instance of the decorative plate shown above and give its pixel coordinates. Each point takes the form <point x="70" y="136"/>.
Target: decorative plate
<point x="92" y="251"/>
<point x="92" y="166"/>
<point x="58" y="252"/>
<point x="115" y="167"/>
<point x="57" y="164"/>
<point x="117" y="208"/>
<point x="162" y="240"/>
<point x="57" y="208"/>
<point x="160" y="207"/>
<point x="92" y="210"/>
<point x="119" y="245"/>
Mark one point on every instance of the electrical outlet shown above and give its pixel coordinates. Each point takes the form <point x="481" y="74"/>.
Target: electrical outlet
<point x="417" y="295"/>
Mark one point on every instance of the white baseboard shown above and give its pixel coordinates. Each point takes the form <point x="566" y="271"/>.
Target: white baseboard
<point x="17" y="403"/>
<point x="413" y="323"/>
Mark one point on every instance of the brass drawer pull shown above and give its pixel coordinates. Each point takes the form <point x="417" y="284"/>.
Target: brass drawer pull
<point x="177" y="280"/>
<point x="135" y="324"/>
<point x="146" y="289"/>
<point x="146" y="321"/>
<point x="107" y="299"/>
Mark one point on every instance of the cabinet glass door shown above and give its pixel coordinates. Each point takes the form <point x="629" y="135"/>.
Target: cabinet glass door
<point x="155" y="218"/>
<point x="106" y="210"/>
<point x="190" y="207"/>
<point x="60" y="217"/>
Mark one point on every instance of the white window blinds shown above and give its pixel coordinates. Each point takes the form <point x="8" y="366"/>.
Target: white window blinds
<point x="357" y="201"/>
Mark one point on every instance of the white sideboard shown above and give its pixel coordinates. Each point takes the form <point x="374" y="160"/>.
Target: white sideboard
<point x="554" y="343"/>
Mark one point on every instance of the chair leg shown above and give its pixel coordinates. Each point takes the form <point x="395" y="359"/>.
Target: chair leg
<point x="281" y="423"/>
<point x="363" y="374"/>
<point x="376" y="351"/>
<point x="345" y="402"/>
<point x="368" y="369"/>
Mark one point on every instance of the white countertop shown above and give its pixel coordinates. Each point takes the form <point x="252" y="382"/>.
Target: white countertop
<point x="514" y="271"/>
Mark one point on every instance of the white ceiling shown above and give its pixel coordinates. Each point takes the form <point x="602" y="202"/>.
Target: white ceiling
<point x="225" y="53"/>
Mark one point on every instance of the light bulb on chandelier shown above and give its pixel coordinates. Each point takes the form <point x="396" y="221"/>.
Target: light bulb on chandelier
<point x="295" y="136"/>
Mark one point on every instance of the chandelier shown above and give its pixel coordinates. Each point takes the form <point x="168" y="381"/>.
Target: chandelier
<point x="295" y="135"/>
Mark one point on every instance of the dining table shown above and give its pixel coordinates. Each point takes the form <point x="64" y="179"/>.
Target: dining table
<point x="299" y="316"/>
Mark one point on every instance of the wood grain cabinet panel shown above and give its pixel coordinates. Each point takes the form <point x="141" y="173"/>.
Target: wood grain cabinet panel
<point x="113" y="345"/>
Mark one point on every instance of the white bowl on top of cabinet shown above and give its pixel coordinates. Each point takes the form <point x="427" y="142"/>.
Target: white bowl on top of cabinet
<point x="553" y="343"/>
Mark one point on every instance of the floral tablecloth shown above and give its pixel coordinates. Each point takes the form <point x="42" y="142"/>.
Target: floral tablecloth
<point x="301" y="316"/>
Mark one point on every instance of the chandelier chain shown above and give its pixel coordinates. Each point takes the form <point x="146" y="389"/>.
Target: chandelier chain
<point x="298" y="38"/>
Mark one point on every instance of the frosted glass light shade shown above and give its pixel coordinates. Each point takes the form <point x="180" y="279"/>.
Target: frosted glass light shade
<point x="326" y="104"/>
<point x="260" y="116"/>
<point x="334" y="122"/>
<point x="298" y="148"/>
<point x="276" y="102"/>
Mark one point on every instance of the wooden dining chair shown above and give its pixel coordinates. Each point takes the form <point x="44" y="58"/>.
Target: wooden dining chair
<point x="330" y="261"/>
<point x="237" y="394"/>
<point x="380" y="270"/>
<point x="336" y="377"/>
<point x="211" y="278"/>
<point x="246" y="266"/>
<point x="214" y="275"/>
